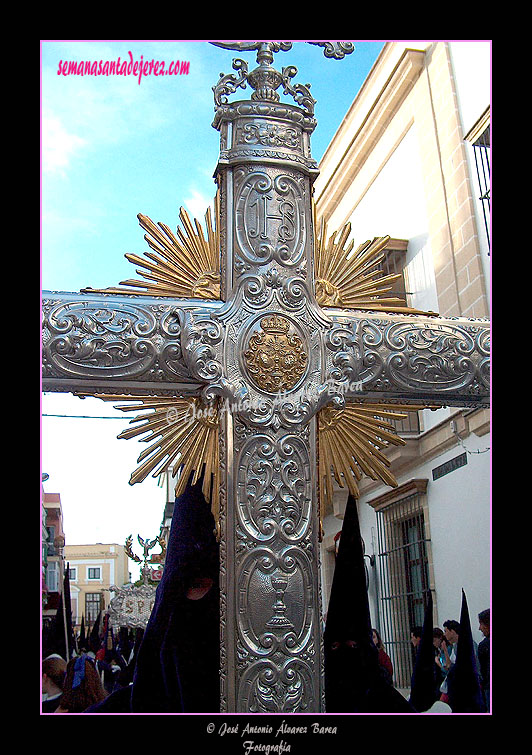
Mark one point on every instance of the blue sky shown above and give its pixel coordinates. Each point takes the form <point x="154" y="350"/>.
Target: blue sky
<point x="111" y="148"/>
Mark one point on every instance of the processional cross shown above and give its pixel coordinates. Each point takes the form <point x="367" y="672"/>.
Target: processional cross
<point x="264" y="350"/>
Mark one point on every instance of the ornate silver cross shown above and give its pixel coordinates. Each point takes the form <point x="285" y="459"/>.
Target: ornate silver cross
<point x="246" y="348"/>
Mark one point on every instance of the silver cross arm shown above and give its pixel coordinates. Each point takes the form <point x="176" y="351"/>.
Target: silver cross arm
<point x="410" y="359"/>
<point x="142" y="345"/>
<point x="108" y="343"/>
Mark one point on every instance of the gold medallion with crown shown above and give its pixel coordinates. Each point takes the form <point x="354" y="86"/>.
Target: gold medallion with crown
<point x="275" y="357"/>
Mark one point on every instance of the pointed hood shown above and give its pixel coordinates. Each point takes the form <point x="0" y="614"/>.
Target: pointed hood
<point x="465" y="694"/>
<point x="424" y="680"/>
<point x="354" y="681"/>
<point x="82" y="636"/>
<point x="68" y="613"/>
<point x="177" y="668"/>
<point x="348" y="614"/>
<point x="94" y="636"/>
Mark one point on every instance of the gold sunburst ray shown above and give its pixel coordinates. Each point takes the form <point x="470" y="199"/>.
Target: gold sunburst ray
<point x="181" y="265"/>
<point x="351" y="442"/>
<point x="182" y="434"/>
<point x="354" y="279"/>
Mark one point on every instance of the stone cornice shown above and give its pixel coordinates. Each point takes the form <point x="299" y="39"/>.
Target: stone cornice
<point x="479" y="127"/>
<point x="412" y="487"/>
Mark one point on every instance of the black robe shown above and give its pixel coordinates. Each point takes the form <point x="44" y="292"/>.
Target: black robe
<point x="177" y="668"/>
<point x="354" y="680"/>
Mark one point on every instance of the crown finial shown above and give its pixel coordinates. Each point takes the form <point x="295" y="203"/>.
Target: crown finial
<point x="265" y="80"/>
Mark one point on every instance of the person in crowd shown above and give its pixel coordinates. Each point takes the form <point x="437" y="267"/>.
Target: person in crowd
<point x="451" y="630"/>
<point x="484" y="655"/>
<point x="415" y="637"/>
<point x="53" y="678"/>
<point x="384" y="659"/>
<point x="82" y="687"/>
<point x="440" y="657"/>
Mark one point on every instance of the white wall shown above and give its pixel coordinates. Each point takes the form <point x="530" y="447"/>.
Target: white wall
<point x="471" y="62"/>
<point x="394" y="203"/>
<point x="459" y="502"/>
<point x="459" y="515"/>
<point x="459" y="520"/>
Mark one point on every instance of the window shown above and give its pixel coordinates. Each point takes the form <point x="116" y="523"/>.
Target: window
<point x="73" y="573"/>
<point x="52" y="576"/>
<point x="94" y="572"/>
<point x="393" y="264"/>
<point x="50" y="531"/>
<point x="404" y="561"/>
<point x="480" y="137"/>
<point x="92" y="606"/>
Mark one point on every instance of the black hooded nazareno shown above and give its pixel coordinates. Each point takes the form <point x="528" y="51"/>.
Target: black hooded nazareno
<point x="354" y="681"/>
<point x="177" y="667"/>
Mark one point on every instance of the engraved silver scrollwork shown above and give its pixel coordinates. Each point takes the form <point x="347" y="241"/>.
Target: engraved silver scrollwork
<point x="274" y="480"/>
<point x="300" y="92"/>
<point x="275" y="603"/>
<point x="430" y="356"/>
<point x="268" y="688"/>
<point x="171" y="359"/>
<point x="270" y="135"/>
<point x="84" y="337"/>
<point x="336" y="50"/>
<point x="276" y="626"/>
<point x="446" y="362"/>
<point x="200" y="335"/>
<point x="229" y="83"/>
<point x="101" y="341"/>
<point x="265" y="79"/>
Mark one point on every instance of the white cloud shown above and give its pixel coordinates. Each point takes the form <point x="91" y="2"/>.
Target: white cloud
<point x="58" y="145"/>
<point x="197" y="204"/>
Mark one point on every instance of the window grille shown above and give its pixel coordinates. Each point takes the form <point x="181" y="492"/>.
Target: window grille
<point x="480" y="139"/>
<point x="481" y="151"/>
<point x="92" y="606"/>
<point x="403" y="579"/>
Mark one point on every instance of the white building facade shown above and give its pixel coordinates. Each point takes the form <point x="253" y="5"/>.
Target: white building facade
<point x="411" y="160"/>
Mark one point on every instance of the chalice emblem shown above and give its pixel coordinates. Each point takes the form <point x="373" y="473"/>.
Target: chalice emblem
<point x="279" y="619"/>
